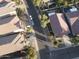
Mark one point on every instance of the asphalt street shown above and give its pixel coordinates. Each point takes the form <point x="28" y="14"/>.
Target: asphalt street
<point x="37" y="26"/>
<point x="43" y="50"/>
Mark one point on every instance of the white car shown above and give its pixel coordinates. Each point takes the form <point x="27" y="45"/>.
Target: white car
<point x="31" y="20"/>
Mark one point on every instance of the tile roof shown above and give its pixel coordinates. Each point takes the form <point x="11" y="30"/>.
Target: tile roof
<point x="8" y="7"/>
<point x="9" y="24"/>
<point x="74" y="21"/>
<point x="9" y="41"/>
<point x="58" y="24"/>
<point x="6" y="39"/>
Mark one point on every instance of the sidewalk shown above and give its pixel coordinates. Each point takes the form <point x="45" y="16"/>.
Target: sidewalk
<point x="34" y="43"/>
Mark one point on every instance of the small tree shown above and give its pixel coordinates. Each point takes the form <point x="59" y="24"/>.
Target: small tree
<point x="43" y="19"/>
<point x="31" y="52"/>
<point x="37" y="2"/>
<point x="64" y="3"/>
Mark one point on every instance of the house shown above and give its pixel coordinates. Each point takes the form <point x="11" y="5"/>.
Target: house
<point x="11" y="43"/>
<point x="66" y="53"/>
<point x="11" y="36"/>
<point x="11" y="29"/>
<point x="9" y="24"/>
<point x="73" y="18"/>
<point x="58" y="24"/>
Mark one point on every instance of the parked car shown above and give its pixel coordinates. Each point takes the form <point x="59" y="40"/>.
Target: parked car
<point x="31" y="21"/>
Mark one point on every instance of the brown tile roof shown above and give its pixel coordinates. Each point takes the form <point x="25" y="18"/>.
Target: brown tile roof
<point x="9" y="24"/>
<point x="6" y="39"/>
<point x="74" y="21"/>
<point x="58" y="24"/>
<point x="10" y="48"/>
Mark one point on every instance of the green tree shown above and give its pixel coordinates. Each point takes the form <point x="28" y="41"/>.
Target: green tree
<point x="19" y="12"/>
<point x="44" y="20"/>
<point x="59" y="2"/>
<point x="31" y="52"/>
<point x="64" y="3"/>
